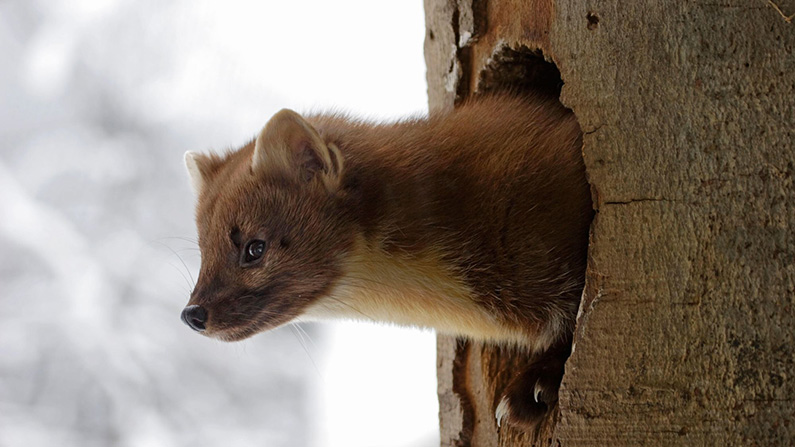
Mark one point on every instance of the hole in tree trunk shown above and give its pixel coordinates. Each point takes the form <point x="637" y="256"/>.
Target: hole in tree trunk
<point x="520" y="70"/>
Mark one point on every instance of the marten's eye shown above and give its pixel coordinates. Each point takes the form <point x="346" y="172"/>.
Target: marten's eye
<point x="254" y="251"/>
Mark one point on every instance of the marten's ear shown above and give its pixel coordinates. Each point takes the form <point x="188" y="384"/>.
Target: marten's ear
<point x="199" y="169"/>
<point x="289" y="145"/>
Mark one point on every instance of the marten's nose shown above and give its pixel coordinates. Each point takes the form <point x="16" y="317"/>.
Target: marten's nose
<point x="194" y="317"/>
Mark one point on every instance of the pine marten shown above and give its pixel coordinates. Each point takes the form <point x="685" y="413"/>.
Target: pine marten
<point x="473" y="222"/>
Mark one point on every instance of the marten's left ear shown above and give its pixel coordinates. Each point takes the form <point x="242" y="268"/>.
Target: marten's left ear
<point x="201" y="168"/>
<point x="290" y="145"/>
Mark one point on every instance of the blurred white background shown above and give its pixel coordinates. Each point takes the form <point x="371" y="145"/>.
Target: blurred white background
<point x="98" y="101"/>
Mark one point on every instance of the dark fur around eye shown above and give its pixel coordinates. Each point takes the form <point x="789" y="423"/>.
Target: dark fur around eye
<point x="234" y="235"/>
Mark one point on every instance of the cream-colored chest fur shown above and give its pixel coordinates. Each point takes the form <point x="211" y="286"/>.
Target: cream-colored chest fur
<point x="411" y="291"/>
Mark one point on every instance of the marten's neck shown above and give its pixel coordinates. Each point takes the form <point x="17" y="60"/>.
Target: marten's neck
<point x="391" y="184"/>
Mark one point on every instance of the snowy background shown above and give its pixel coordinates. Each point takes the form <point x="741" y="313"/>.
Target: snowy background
<point x="99" y="99"/>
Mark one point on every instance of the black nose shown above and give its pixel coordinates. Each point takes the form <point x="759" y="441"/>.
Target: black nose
<point x="194" y="317"/>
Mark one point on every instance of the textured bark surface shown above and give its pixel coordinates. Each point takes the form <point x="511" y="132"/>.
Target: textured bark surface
<point x="685" y="335"/>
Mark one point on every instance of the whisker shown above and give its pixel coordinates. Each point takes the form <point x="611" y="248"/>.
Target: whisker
<point x="193" y="283"/>
<point x="183" y="276"/>
<point x="301" y="341"/>
<point x="306" y="334"/>
<point x="352" y="308"/>
<point x="186" y="239"/>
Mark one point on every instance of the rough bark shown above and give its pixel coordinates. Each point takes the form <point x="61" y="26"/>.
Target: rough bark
<point x="685" y="334"/>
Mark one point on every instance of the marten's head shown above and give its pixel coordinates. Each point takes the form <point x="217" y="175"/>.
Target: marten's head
<point x="272" y="229"/>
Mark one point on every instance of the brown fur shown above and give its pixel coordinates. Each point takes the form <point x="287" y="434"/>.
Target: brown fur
<point x="474" y="222"/>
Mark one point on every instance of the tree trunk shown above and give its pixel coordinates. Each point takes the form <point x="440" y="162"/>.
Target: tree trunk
<point x="685" y="333"/>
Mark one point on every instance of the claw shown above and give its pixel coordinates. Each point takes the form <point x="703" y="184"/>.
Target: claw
<point x="537" y="389"/>
<point x="503" y="408"/>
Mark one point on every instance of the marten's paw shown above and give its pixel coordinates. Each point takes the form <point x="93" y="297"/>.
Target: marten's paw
<point x="531" y="395"/>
